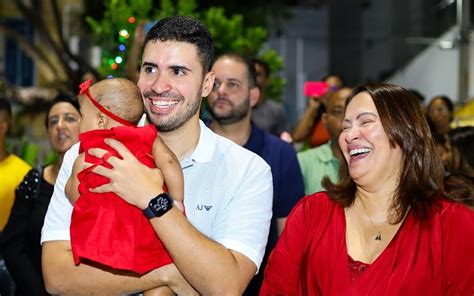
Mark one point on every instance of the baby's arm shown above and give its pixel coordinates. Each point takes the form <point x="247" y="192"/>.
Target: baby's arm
<point x="169" y="165"/>
<point x="72" y="185"/>
<point x="160" y="291"/>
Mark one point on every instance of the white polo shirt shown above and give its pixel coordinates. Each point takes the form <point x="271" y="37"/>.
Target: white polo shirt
<point x="228" y="196"/>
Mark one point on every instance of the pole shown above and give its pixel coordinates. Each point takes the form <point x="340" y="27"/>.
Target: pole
<point x="464" y="23"/>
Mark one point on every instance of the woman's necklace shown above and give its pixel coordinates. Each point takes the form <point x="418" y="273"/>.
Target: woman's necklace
<point x="378" y="237"/>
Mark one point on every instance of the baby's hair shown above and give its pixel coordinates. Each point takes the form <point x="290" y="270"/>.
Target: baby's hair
<point x="121" y="96"/>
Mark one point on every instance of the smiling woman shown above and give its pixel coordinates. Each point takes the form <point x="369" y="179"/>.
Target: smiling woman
<point x="21" y="236"/>
<point x="385" y="228"/>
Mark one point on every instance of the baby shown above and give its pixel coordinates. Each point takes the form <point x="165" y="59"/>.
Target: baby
<point x="104" y="228"/>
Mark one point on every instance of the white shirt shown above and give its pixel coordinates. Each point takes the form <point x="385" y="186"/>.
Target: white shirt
<point x="228" y="196"/>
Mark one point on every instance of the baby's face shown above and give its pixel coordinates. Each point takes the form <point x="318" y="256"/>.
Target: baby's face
<point x="89" y="112"/>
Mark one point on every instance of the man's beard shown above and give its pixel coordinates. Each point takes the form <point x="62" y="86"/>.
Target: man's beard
<point x="173" y="123"/>
<point x="237" y="112"/>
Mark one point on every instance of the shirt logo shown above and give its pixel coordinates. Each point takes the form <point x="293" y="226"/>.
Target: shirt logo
<point x="201" y="207"/>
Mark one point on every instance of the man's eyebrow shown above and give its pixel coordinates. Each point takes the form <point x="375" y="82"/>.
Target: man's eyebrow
<point x="149" y="64"/>
<point x="180" y="67"/>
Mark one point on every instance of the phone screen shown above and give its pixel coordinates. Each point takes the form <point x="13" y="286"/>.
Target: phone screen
<point x="315" y="88"/>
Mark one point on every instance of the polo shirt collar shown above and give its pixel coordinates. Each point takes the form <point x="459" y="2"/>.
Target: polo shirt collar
<point x="206" y="145"/>
<point x="327" y="155"/>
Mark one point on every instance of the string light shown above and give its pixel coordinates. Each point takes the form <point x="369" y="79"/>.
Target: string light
<point x="122" y="47"/>
<point x="118" y="60"/>
<point x="131" y="20"/>
<point x="114" y="66"/>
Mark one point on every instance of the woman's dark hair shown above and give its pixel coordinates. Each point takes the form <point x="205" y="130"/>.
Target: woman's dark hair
<point x="421" y="176"/>
<point x="61" y="98"/>
<point x="462" y="138"/>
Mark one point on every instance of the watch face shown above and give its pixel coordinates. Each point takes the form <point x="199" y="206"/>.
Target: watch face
<point x="161" y="204"/>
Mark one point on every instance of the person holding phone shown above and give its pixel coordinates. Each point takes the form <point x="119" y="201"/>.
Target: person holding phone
<point x="310" y="130"/>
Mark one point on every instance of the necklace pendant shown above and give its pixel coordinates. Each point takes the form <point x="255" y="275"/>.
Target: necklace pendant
<point x="379" y="236"/>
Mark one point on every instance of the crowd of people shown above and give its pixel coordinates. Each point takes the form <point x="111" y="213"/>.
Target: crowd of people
<point x="377" y="201"/>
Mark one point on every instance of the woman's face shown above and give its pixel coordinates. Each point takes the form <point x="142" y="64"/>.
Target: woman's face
<point x="365" y="145"/>
<point x="439" y="114"/>
<point x="63" y="126"/>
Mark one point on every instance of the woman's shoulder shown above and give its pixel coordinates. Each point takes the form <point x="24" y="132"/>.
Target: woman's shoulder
<point x="317" y="204"/>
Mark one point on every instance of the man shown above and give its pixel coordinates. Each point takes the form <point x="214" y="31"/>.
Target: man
<point x="324" y="160"/>
<point x="230" y="104"/>
<point x="12" y="171"/>
<point x="267" y="114"/>
<point x="219" y="245"/>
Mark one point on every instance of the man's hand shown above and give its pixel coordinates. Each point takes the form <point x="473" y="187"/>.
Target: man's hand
<point x="133" y="181"/>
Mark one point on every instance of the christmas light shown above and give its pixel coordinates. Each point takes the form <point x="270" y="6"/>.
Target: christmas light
<point x="131" y="20"/>
<point x="114" y="66"/>
<point x="121" y="39"/>
<point x="123" y="33"/>
<point x="122" y="47"/>
<point x="110" y="76"/>
<point x="110" y="62"/>
<point x="118" y="60"/>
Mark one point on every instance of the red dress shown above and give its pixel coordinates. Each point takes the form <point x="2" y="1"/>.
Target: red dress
<point x="432" y="257"/>
<point x="104" y="228"/>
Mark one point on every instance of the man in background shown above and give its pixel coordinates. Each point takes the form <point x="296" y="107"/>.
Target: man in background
<point x="266" y="113"/>
<point x="324" y="160"/>
<point x="230" y="104"/>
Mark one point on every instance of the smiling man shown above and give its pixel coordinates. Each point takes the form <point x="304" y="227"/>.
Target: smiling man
<point x="219" y="245"/>
<point x="230" y="104"/>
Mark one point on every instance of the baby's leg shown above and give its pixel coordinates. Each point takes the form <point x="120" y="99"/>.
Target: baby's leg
<point x="160" y="291"/>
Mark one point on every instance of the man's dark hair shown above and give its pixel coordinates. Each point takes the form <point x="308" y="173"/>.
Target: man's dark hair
<point x="264" y="65"/>
<point x="249" y="64"/>
<point x="5" y="106"/>
<point x="184" y="29"/>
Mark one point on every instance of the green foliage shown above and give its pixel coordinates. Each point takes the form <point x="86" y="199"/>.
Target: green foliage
<point x="229" y="33"/>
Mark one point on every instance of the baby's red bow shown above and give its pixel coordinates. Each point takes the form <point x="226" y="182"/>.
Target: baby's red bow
<point x="84" y="86"/>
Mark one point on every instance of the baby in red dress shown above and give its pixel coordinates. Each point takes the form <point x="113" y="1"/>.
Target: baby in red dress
<point x="104" y="228"/>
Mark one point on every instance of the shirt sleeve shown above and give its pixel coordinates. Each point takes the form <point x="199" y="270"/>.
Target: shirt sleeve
<point x="458" y="246"/>
<point x="244" y="223"/>
<point x="58" y="217"/>
<point x="282" y="271"/>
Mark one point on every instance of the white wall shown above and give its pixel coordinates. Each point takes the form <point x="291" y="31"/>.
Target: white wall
<point x="435" y="71"/>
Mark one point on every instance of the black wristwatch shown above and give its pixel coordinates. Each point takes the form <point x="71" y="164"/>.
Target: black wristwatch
<point x="158" y="206"/>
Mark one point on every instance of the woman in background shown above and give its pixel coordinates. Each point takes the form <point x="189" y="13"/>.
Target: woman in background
<point x="440" y="114"/>
<point x="385" y="228"/>
<point x="20" y="241"/>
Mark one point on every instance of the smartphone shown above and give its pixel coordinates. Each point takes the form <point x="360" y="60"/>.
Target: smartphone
<point x="315" y="88"/>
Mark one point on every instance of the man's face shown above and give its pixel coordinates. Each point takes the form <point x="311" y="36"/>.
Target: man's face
<point x="172" y="83"/>
<point x="335" y="112"/>
<point x="231" y="98"/>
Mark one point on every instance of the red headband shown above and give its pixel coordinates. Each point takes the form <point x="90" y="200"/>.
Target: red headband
<point x="84" y="89"/>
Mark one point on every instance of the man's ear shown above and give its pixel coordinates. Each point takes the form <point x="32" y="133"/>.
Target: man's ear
<point x="102" y="120"/>
<point x="208" y="84"/>
<point x="254" y="96"/>
<point x="324" y="119"/>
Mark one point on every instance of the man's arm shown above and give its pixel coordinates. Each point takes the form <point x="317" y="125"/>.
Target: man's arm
<point x="63" y="277"/>
<point x="206" y="265"/>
